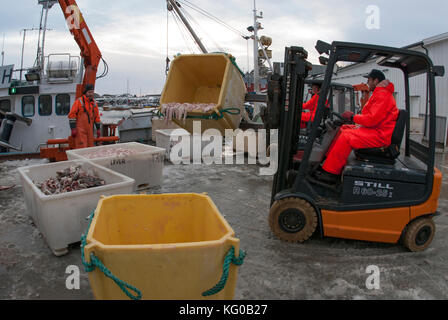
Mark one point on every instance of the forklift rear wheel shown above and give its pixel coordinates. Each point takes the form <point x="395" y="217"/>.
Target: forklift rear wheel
<point x="293" y="219"/>
<point x="419" y="234"/>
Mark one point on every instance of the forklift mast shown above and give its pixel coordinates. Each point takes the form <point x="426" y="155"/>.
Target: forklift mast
<point x="284" y="109"/>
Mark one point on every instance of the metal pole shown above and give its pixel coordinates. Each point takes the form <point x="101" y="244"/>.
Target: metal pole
<point x="266" y="57"/>
<point x="23" y="48"/>
<point x="3" y="50"/>
<point x="38" y="39"/>
<point x="196" y="38"/>
<point x="43" y="37"/>
<point x="256" y="73"/>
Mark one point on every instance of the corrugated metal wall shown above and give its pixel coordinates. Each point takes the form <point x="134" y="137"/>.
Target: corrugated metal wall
<point x="438" y="52"/>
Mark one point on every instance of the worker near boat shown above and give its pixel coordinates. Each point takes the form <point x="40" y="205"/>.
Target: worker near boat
<point x="83" y="116"/>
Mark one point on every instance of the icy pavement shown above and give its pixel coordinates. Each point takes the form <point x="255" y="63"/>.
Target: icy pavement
<point x="321" y="268"/>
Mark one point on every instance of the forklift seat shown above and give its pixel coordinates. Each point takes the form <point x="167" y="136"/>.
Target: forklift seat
<point x="388" y="154"/>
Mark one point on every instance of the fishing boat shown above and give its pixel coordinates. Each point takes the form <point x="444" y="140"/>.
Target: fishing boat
<point x="35" y="101"/>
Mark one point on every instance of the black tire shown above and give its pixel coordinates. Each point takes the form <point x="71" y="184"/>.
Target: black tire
<point x="419" y="234"/>
<point x="293" y="219"/>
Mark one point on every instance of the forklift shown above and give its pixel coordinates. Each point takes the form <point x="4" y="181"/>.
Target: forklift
<point x="383" y="195"/>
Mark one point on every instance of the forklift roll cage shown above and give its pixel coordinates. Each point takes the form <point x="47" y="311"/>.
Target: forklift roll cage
<point x="346" y="88"/>
<point x="411" y="63"/>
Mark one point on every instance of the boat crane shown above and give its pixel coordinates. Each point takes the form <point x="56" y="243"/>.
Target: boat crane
<point x="91" y="56"/>
<point x="90" y="52"/>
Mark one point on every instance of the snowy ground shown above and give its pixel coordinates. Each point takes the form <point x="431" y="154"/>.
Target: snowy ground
<point x="321" y="268"/>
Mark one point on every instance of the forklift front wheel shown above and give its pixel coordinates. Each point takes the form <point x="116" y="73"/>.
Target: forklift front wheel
<point x="292" y="219"/>
<point x="419" y="234"/>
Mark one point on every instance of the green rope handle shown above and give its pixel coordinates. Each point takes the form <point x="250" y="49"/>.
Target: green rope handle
<point x="230" y="258"/>
<point x="215" y="116"/>
<point x="95" y="262"/>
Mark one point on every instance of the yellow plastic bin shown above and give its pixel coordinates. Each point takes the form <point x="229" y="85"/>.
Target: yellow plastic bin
<point x="168" y="246"/>
<point x="206" y="78"/>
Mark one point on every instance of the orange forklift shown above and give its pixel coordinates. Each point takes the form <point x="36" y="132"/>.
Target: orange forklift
<point x="385" y="194"/>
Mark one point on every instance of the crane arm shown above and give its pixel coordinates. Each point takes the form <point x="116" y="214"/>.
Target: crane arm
<point x="83" y="37"/>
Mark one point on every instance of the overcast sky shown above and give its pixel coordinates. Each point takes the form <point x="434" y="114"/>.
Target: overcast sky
<point x="132" y="34"/>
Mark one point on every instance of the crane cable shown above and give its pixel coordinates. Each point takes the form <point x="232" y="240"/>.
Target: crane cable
<point x="190" y="17"/>
<point x="185" y="27"/>
<point x="212" y="17"/>
<point x="167" y="67"/>
<point x="178" y="23"/>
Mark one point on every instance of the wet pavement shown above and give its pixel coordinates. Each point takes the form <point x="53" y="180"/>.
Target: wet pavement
<point x="321" y="268"/>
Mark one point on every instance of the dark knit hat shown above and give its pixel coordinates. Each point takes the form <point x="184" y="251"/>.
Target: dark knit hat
<point x="89" y="87"/>
<point x="376" y="74"/>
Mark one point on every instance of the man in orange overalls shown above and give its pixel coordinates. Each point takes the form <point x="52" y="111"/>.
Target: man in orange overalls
<point x="83" y="115"/>
<point x="311" y="106"/>
<point x="373" y="127"/>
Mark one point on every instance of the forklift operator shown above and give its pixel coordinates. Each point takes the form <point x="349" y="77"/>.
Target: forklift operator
<point x="83" y="115"/>
<point x="373" y="127"/>
<point x="310" y="105"/>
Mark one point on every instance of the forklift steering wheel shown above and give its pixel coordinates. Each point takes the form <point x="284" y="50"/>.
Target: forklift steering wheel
<point x="340" y="118"/>
<point x="337" y="116"/>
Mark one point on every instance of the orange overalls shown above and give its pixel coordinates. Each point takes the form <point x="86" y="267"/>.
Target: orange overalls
<point x="83" y="115"/>
<point x="373" y="129"/>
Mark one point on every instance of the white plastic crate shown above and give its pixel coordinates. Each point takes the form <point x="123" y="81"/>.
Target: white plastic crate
<point x="61" y="218"/>
<point x="161" y="124"/>
<point x="145" y="166"/>
<point x="167" y="138"/>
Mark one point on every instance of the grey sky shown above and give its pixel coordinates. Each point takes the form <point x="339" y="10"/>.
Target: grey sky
<point x="132" y="34"/>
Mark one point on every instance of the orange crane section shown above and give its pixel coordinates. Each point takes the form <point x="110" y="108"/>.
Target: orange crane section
<point x="83" y="37"/>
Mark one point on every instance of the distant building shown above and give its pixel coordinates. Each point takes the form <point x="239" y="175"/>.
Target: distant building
<point x="437" y="49"/>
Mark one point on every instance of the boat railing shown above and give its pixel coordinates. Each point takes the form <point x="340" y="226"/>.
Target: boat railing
<point x="62" y="67"/>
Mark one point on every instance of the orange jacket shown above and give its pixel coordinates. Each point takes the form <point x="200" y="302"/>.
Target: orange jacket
<point x="311" y="105"/>
<point x="82" y="116"/>
<point x="380" y="112"/>
<point x="84" y="106"/>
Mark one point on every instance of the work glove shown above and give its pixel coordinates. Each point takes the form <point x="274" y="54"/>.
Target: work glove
<point x="98" y="133"/>
<point x="74" y="132"/>
<point x="348" y="116"/>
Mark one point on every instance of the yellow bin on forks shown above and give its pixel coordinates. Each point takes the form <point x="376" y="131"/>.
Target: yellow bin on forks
<point x="206" y="78"/>
<point x="168" y="246"/>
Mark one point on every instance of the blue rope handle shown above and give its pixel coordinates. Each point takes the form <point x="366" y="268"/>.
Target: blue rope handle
<point x="230" y="258"/>
<point x="96" y="262"/>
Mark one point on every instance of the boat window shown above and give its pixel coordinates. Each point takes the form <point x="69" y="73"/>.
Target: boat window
<point x="5" y="105"/>
<point x="45" y="105"/>
<point x="62" y="104"/>
<point x="28" y="106"/>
